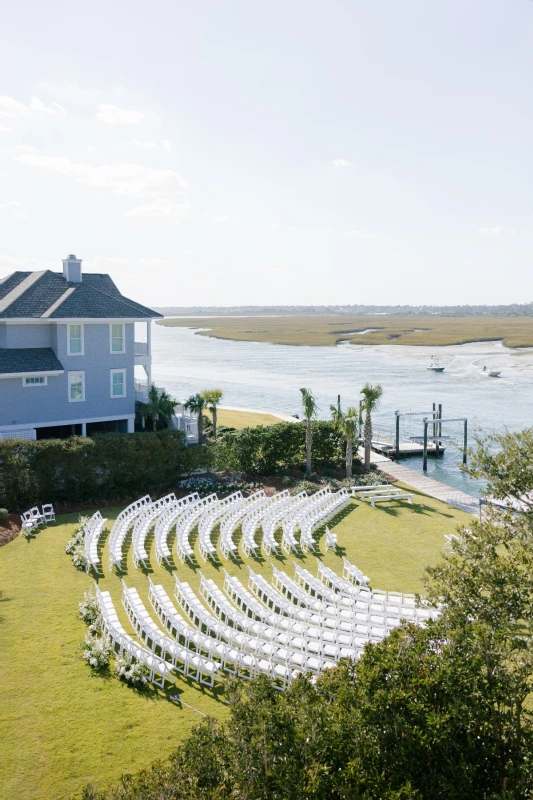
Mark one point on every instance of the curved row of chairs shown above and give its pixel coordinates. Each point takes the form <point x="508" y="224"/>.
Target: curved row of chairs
<point x="91" y="538"/>
<point x="120" y="529"/>
<point x="278" y="628"/>
<point x="252" y="514"/>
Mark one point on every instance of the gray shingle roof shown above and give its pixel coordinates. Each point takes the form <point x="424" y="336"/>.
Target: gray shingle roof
<point x="29" y="359"/>
<point x="96" y="297"/>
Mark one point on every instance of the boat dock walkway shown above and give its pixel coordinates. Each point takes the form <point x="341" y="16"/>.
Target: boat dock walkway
<point x="454" y="497"/>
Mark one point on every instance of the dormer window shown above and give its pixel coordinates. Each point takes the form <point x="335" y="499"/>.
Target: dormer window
<point x="75" y="340"/>
<point x="117" y="338"/>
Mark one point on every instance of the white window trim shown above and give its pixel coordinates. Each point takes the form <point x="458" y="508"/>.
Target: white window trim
<point x="82" y="398"/>
<point x="45" y="383"/>
<point x="82" y="327"/>
<point x="111" y="373"/>
<point x="117" y="352"/>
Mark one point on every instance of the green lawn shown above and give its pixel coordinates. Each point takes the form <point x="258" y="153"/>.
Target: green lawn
<point x="243" y="419"/>
<point x="63" y="726"/>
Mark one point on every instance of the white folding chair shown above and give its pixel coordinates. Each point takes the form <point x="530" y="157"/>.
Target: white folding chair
<point x="28" y="523"/>
<point x="48" y="513"/>
<point x="36" y="516"/>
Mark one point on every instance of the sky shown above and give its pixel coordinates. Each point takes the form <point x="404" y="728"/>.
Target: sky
<point x="289" y="152"/>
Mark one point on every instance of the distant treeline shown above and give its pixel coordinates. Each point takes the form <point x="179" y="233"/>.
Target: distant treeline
<point x="513" y="310"/>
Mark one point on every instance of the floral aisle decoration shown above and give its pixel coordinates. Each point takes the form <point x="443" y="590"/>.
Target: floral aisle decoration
<point x="97" y="650"/>
<point x="130" y="671"/>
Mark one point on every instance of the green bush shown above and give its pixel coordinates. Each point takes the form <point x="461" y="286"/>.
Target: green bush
<point x="108" y="466"/>
<point x="3" y="513"/>
<point x="266" y="450"/>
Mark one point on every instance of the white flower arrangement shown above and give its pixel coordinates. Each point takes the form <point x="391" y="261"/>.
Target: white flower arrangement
<point x="78" y="536"/>
<point x="74" y="542"/>
<point x="130" y="671"/>
<point x="97" y="651"/>
<point x="90" y="610"/>
<point x="82" y="524"/>
<point x="79" y="559"/>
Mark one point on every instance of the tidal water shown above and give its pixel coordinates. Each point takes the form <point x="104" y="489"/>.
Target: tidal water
<point x="263" y="376"/>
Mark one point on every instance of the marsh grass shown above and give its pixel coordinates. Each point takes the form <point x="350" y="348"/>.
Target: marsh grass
<point x="329" y="330"/>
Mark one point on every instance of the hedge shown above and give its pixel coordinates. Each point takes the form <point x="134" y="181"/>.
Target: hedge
<point x="104" y="467"/>
<point x="266" y="450"/>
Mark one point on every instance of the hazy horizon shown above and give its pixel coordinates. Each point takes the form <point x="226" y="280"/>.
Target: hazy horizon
<point x="240" y="154"/>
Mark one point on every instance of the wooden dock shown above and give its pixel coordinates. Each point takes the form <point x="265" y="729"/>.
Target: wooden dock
<point x="454" y="497"/>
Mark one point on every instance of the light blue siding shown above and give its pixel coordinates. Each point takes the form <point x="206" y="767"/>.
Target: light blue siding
<point x="39" y="335"/>
<point x="20" y="405"/>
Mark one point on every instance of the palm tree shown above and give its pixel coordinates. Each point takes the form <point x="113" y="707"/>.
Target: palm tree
<point x="347" y="424"/>
<point x="371" y="396"/>
<point x="309" y="408"/>
<point x="159" y="405"/>
<point x="196" y="404"/>
<point x="212" y="398"/>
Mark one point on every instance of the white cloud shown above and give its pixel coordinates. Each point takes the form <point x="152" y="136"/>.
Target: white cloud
<point x="125" y="179"/>
<point x="11" y="108"/>
<point x="497" y="230"/>
<point x="358" y="235"/>
<point x="150" y="144"/>
<point x="342" y="162"/>
<point x="106" y="261"/>
<point x="5" y="129"/>
<point x="17" y="150"/>
<point x="10" y="264"/>
<point x="221" y="218"/>
<point x="113" y="115"/>
<point x="158" y="264"/>
<point x="276" y="226"/>
<point x="161" y="207"/>
<point x="143" y="145"/>
<point x="10" y="204"/>
<point x="189" y="252"/>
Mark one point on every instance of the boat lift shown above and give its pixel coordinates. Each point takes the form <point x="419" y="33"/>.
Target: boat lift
<point x="439" y="437"/>
<point x="436" y="414"/>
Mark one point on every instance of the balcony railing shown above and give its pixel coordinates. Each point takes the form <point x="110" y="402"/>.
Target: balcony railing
<point x="141" y="391"/>
<point x="140" y="348"/>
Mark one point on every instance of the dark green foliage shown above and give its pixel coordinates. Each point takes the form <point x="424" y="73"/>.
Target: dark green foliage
<point x="3" y="513"/>
<point x="265" y="450"/>
<point x="108" y="466"/>
<point x="414" y="719"/>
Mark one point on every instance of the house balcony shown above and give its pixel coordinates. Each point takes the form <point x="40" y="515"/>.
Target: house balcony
<point x="141" y="390"/>
<point x="141" y="353"/>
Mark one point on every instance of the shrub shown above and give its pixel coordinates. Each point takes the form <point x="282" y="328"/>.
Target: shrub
<point x="4" y="513"/>
<point x="130" y="671"/>
<point x="83" y="469"/>
<point x="267" y="450"/>
<point x="97" y="651"/>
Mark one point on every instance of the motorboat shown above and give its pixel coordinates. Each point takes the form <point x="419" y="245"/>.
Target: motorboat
<point x="434" y="365"/>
